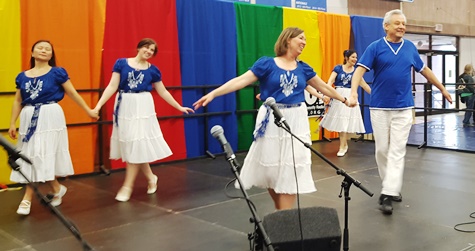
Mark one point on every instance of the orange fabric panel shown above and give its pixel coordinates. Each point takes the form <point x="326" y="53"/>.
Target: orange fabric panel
<point x="82" y="147"/>
<point x="335" y="37"/>
<point x="76" y="30"/>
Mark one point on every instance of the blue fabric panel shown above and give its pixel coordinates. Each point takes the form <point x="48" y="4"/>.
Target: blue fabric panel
<point x="365" y="31"/>
<point x="207" y="38"/>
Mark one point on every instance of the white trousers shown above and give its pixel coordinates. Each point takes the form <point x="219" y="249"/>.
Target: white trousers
<point x="391" y="130"/>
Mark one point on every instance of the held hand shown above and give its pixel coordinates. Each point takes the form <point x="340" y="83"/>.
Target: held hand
<point x="93" y="114"/>
<point x="326" y="99"/>
<point x="96" y="110"/>
<point x="12" y="132"/>
<point x="186" y="110"/>
<point x="203" y="101"/>
<point x="353" y="100"/>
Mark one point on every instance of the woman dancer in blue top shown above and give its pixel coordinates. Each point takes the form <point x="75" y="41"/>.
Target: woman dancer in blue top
<point x="341" y="118"/>
<point x="392" y="59"/>
<point x="43" y="136"/>
<point x="136" y="135"/>
<point x="270" y="160"/>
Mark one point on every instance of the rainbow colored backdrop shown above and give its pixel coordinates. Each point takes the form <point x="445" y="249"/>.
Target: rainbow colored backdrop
<point x="200" y="43"/>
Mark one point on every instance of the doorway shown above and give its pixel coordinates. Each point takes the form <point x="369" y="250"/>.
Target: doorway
<point x="440" y="54"/>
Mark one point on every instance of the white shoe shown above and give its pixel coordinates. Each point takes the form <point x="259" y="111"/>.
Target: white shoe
<point x="57" y="200"/>
<point x="24" y="207"/>
<point x="123" y="194"/>
<point x="152" y="186"/>
<point x="342" y="152"/>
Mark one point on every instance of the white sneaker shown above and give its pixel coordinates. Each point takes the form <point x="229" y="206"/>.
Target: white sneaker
<point x="24" y="207"/>
<point x="57" y="200"/>
<point x="342" y="152"/>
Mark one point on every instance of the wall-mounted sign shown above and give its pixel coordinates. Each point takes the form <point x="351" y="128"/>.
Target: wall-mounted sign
<point x="320" y="5"/>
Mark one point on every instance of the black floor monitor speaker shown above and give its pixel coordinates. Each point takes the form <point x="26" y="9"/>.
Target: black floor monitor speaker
<point x="320" y="228"/>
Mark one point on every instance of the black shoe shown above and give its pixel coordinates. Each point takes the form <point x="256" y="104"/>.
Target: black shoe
<point x="386" y="204"/>
<point x="397" y="198"/>
<point x="468" y="125"/>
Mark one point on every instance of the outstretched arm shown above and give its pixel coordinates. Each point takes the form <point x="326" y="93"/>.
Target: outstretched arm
<point x="16" y="109"/>
<point x="315" y="93"/>
<point x="327" y="90"/>
<point x="365" y="86"/>
<point x="74" y="95"/>
<point x="430" y="76"/>
<point x="355" y="82"/>
<point x="165" y="94"/>
<point x="232" y="85"/>
<point x="109" y="91"/>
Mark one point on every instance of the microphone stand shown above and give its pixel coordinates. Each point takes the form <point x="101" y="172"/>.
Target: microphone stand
<point x="255" y="218"/>
<point x="345" y="185"/>
<point x="47" y="201"/>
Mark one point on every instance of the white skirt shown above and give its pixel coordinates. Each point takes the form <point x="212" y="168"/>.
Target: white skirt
<point x="137" y="138"/>
<point x="270" y="160"/>
<point x="48" y="148"/>
<point x="341" y="118"/>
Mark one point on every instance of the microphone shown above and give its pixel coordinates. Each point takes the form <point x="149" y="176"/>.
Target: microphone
<point x="270" y="101"/>
<point x="218" y="132"/>
<point x="12" y="152"/>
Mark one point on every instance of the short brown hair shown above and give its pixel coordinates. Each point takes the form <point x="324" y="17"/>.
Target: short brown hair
<point x="147" y="42"/>
<point x="281" y="45"/>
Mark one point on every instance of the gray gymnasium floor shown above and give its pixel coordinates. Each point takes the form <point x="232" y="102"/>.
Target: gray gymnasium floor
<point x="190" y="211"/>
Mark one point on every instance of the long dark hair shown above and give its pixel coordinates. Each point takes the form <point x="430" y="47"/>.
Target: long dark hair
<point x="51" y="62"/>
<point x="347" y="54"/>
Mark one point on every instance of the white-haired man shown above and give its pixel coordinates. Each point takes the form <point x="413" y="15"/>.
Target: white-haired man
<point x="392" y="59"/>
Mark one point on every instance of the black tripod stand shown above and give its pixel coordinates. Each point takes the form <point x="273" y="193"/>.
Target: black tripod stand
<point x="260" y="233"/>
<point x="345" y="185"/>
<point x="12" y="157"/>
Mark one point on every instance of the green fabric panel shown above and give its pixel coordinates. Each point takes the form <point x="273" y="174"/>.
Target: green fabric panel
<point x="257" y="27"/>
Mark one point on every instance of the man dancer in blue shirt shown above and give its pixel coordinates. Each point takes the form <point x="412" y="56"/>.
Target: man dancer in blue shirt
<point x="392" y="58"/>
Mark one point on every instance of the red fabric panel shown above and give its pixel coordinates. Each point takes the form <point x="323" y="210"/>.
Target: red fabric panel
<point x="127" y="22"/>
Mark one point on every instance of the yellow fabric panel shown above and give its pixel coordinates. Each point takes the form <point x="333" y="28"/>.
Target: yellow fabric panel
<point x="10" y="44"/>
<point x="314" y="128"/>
<point x="11" y="51"/>
<point x="5" y="169"/>
<point x="306" y="20"/>
<point x="335" y="37"/>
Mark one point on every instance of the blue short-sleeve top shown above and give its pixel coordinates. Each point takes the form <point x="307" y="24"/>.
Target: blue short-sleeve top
<point x="136" y="80"/>
<point x="42" y="89"/>
<point x="285" y="86"/>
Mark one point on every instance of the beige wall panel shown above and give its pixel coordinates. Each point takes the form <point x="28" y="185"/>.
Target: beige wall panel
<point x="456" y="17"/>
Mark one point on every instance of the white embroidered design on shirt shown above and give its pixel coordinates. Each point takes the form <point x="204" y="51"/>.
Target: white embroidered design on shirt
<point x="288" y="82"/>
<point x="133" y="80"/>
<point x="345" y="78"/>
<point x="34" y="88"/>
